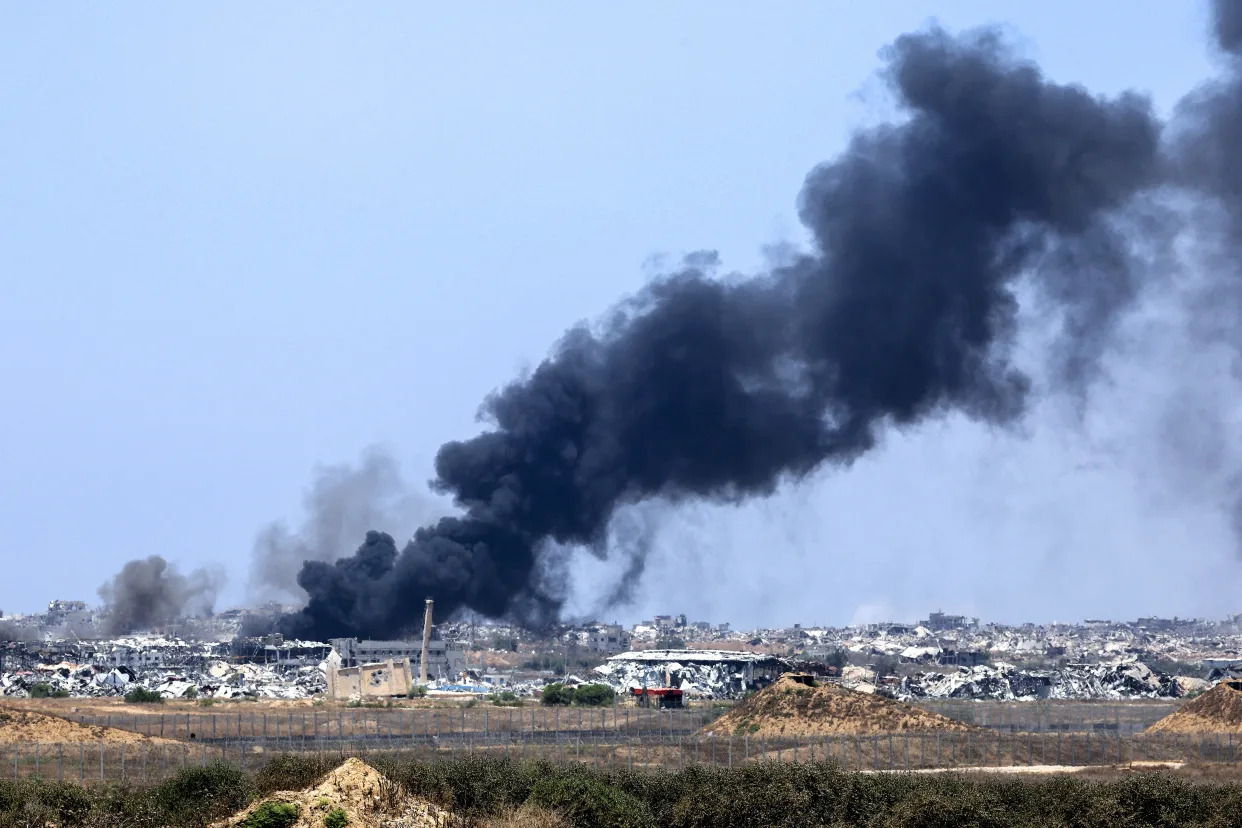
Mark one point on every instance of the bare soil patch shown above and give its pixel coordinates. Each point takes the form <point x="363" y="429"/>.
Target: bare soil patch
<point x="789" y="708"/>
<point x="368" y="798"/>
<point x="1219" y="710"/>
<point x="29" y="726"/>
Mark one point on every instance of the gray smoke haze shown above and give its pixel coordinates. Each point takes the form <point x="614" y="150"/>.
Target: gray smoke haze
<point x="11" y="632"/>
<point x="150" y="592"/>
<point x="1205" y="154"/>
<point x="342" y="504"/>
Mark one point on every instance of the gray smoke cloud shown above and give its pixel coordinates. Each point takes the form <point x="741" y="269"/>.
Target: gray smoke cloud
<point x="150" y="592"/>
<point x="11" y="632"/>
<point x="342" y="503"/>
<point x="710" y="387"/>
<point x="1204" y="156"/>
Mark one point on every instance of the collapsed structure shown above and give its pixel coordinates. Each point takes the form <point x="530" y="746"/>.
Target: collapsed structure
<point x="1004" y="682"/>
<point x="364" y="668"/>
<point x="708" y="674"/>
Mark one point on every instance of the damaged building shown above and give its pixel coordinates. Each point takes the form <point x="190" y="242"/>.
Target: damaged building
<point x="708" y="674"/>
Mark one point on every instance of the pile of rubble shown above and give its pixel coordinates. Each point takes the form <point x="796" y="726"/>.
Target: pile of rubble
<point x="1004" y="682"/>
<point x="704" y="674"/>
<point x="219" y="680"/>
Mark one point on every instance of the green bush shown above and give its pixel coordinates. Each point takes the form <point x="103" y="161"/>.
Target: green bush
<point x="61" y="803"/>
<point x="471" y="786"/>
<point x="417" y="691"/>
<point x="594" y="695"/>
<point x="141" y="695"/>
<point x="199" y="796"/>
<point x="336" y="818"/>
<point x="292" y="772"/>
<point x="588" y="801"/>
<point x="774" y="795"/>
<point x="271" y="815"/>
<point x="43" y="690"/>
<point x="556" y="694"/>
<point x="506" y="698"/>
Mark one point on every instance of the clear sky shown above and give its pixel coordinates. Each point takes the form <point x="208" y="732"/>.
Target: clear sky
<point x="238" y="240"/>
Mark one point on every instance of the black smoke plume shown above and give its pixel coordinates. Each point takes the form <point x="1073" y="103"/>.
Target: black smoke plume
<point x="149" y="592"/>
<point x="341" y="505"/>
<point x="723" y="387"/>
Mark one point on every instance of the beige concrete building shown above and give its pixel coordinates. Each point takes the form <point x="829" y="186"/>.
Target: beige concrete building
<point x="378" y="680"/>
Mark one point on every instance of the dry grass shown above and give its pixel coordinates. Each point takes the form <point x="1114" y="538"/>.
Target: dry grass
<point x="788" y="708"/>
<point x="527" y="816"/>
<point x="1219" y="710"/>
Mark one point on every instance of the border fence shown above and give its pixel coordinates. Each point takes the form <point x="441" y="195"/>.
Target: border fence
<point x="150" y="761"/>
<point x="388" y="724"/>
<point x="403" y="725"/>
<point x="1124" y="717"/>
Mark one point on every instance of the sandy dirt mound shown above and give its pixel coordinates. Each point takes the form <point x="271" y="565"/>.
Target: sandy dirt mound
<point x="790" y="708"/>
<point x="1219" y="710"/>
<point x="28" y="726"/>
<point x="368" y="799"/>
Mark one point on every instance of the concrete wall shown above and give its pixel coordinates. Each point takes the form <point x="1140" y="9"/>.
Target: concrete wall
<point x="386" y="678"/>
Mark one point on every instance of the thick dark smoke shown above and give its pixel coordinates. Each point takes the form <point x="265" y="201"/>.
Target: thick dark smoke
<point x="723" y="388"/>
<point x="342" y="504"/>
<point x="150" y="592"/>
<point x="1227" y="19"/>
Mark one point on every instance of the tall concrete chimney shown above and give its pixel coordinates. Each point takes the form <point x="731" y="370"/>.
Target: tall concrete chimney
<point x="426" y="644"/>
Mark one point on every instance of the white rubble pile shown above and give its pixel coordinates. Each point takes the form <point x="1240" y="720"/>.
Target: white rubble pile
<point x="218" y="680"/>
<point x="1004" y="682"/>
<point x="707" y="681"/>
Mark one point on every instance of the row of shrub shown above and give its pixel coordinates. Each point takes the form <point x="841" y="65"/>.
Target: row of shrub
<point x="778" y="795"/>
<point x="586" y="695"/>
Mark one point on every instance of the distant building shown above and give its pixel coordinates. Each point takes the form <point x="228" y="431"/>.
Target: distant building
<point x="608" y="638"/>
<point x="68" y="614"/>
<point x="939" y="621"/>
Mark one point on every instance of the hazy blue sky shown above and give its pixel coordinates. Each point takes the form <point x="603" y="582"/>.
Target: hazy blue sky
<point x="241" y="239"/>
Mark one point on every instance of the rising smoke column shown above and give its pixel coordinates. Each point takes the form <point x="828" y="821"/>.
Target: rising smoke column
<point x="343" y="502"/>
<point x="148" y="592"/>
<point x="723" y="388"/>
<point x="1203" y="155"/>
